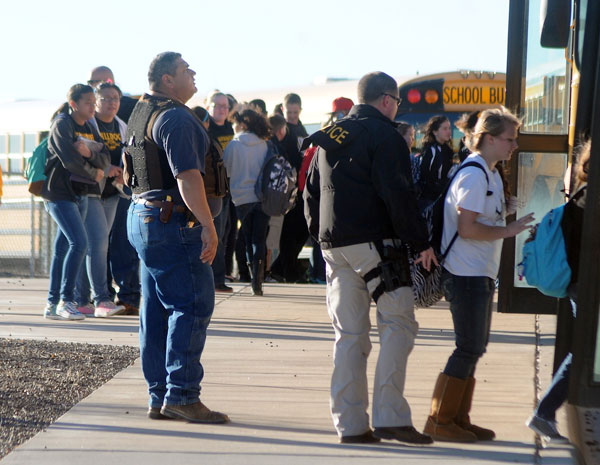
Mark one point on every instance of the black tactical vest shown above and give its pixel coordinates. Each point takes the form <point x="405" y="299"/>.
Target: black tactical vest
<point x="146" y="165"/>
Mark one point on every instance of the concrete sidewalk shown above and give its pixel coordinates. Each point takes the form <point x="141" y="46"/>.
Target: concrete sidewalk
<point x="268" y="365"/>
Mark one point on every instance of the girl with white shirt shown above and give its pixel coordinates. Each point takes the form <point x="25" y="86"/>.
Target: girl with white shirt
<point x="475" y="209"/>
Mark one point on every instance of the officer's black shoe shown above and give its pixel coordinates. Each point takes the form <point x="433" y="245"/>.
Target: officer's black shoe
<point x="404" y="434"/>
<point x="365" y="438"/>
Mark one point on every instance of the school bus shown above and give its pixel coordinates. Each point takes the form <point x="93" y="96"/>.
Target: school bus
<point x="553" y="84"/>
<point x="450" y="94"/>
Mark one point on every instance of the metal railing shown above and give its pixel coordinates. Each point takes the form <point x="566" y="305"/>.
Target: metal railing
<point x="26" y="230"/>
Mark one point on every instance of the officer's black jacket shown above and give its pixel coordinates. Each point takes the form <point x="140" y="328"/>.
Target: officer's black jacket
<point x="359" y="186"/>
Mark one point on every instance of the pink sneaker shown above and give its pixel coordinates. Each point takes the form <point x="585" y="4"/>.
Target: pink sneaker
<point x="107" y="308"/>
<point x="87" y="309"/>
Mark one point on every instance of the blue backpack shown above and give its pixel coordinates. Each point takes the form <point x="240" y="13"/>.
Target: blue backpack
<point x="35" y="168"/>
<point x="544" y="262"/>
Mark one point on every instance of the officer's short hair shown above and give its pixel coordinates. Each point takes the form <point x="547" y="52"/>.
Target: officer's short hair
<point x="291" y="99"/>
<point x="163" y="63"/>
<point x="373" y="85"/>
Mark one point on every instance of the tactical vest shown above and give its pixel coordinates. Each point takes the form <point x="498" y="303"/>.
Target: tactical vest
<point x="146" y="164"/>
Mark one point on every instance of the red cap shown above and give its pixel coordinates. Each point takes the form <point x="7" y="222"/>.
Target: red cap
<point x="342" y="104"/>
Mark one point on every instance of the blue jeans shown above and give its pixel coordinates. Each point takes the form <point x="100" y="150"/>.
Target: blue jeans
<point x="470" y="300"/>
<point x="557" y="392"/>
<point x="255" y="224"/>
<point x="98" y="222"/>
<point x="178" y="300"/>
<point x="70" y="246"/>
<point x="218" y="264"/>
<point x="124" y="262"/>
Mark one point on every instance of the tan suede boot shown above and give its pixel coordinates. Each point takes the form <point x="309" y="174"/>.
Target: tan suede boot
<point x="447" y="396"/>
<point x="463" y="420"/>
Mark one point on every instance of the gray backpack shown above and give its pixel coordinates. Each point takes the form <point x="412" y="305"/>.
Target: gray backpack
<point x="276" y="186"/>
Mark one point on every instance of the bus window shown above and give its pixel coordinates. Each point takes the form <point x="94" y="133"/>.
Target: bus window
<point x="540" y="188"/>
<point x="545" y="102"/>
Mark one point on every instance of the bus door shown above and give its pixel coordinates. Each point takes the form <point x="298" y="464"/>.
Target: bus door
<point x="538" y="90"/>
<point x="557" y="93"/>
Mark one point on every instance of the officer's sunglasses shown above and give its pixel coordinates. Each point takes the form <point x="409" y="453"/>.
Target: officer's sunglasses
<point x="397" y="99"/>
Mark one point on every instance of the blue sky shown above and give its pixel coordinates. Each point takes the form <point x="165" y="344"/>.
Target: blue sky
<point x="241" y="45"/>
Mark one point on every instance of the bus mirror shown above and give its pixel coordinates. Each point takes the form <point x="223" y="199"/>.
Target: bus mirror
<point x="555" y="20"/>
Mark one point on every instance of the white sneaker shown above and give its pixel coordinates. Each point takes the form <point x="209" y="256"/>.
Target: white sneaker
<point x="107" y="308"/>
<point x="68" y="311"/>
<point x="546" y="429"/>
<point x="50" y="311"/>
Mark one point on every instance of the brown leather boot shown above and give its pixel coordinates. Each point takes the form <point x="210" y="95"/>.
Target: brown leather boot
<point x="447" y="396"/>
<point x="463" y="420"/>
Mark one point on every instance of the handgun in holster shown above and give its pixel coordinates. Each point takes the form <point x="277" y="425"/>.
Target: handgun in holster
<point x="166" y="210"/>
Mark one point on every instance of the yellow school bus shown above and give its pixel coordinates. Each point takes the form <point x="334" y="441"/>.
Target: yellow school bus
<point x="450" y="94"/>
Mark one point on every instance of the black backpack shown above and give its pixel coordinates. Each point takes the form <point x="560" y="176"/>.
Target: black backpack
<point x="434" y="213"/>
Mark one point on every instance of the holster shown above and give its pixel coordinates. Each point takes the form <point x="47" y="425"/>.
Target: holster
<point x="393" y="270"/>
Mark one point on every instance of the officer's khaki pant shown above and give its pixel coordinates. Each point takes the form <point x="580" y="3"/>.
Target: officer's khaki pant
<point x="348" y="302"/>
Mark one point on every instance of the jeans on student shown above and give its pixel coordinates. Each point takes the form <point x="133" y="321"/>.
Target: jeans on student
<point x="218" y="264"/>
<point x="255" y="224"/>
<point x="177" y="304"/>
<point x="98" y="222"/>
<point x="70" y="246"/>
<point x="124" y="261"/>
<point x="557" y="392"/>
<point x="470" y="300"/>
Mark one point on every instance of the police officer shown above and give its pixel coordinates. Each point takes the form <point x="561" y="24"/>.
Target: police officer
<point x="360" y="204"/>
<point x="171" y="228"/>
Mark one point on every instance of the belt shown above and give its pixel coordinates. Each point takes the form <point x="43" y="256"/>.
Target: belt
<point x="161" y="203"/>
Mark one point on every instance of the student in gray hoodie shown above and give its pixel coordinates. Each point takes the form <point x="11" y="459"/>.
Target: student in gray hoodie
<point x="244" y="158"/>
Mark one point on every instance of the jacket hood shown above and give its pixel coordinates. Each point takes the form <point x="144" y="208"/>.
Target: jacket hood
<point x="249" y="138"/>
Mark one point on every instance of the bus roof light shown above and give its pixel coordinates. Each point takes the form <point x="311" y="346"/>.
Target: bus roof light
<point x="431" y="96"/>
<point x="414" y="96"/>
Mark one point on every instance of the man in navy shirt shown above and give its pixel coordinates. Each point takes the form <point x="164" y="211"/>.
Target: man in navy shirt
<point x="171" y="227"/>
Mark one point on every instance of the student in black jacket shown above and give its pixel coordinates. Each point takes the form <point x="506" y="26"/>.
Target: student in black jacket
<point x="436" y="159"/>
<point x="72" y="171"/>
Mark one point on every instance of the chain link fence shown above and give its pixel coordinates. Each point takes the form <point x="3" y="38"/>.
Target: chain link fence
<point x="26" y="230"/>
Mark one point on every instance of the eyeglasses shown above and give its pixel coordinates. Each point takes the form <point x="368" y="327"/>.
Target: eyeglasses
<point x="94" y="82"/>
<point x="397" y="99"/>
<point x="222" y="106"/>
<point x="109" y="99"/>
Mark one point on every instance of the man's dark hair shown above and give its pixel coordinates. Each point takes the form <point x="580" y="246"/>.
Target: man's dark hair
<point x="277" y="122"/>
<point x="291" y="99"/>
<point x="163" y="63"/>
<point x="373" y="85"/>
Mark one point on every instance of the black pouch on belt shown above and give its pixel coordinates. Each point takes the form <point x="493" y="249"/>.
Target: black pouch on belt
<point x="166" y="211"/>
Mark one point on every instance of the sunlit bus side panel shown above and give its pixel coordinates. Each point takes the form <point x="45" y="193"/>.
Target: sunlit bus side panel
<point x="463" y="96"/>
